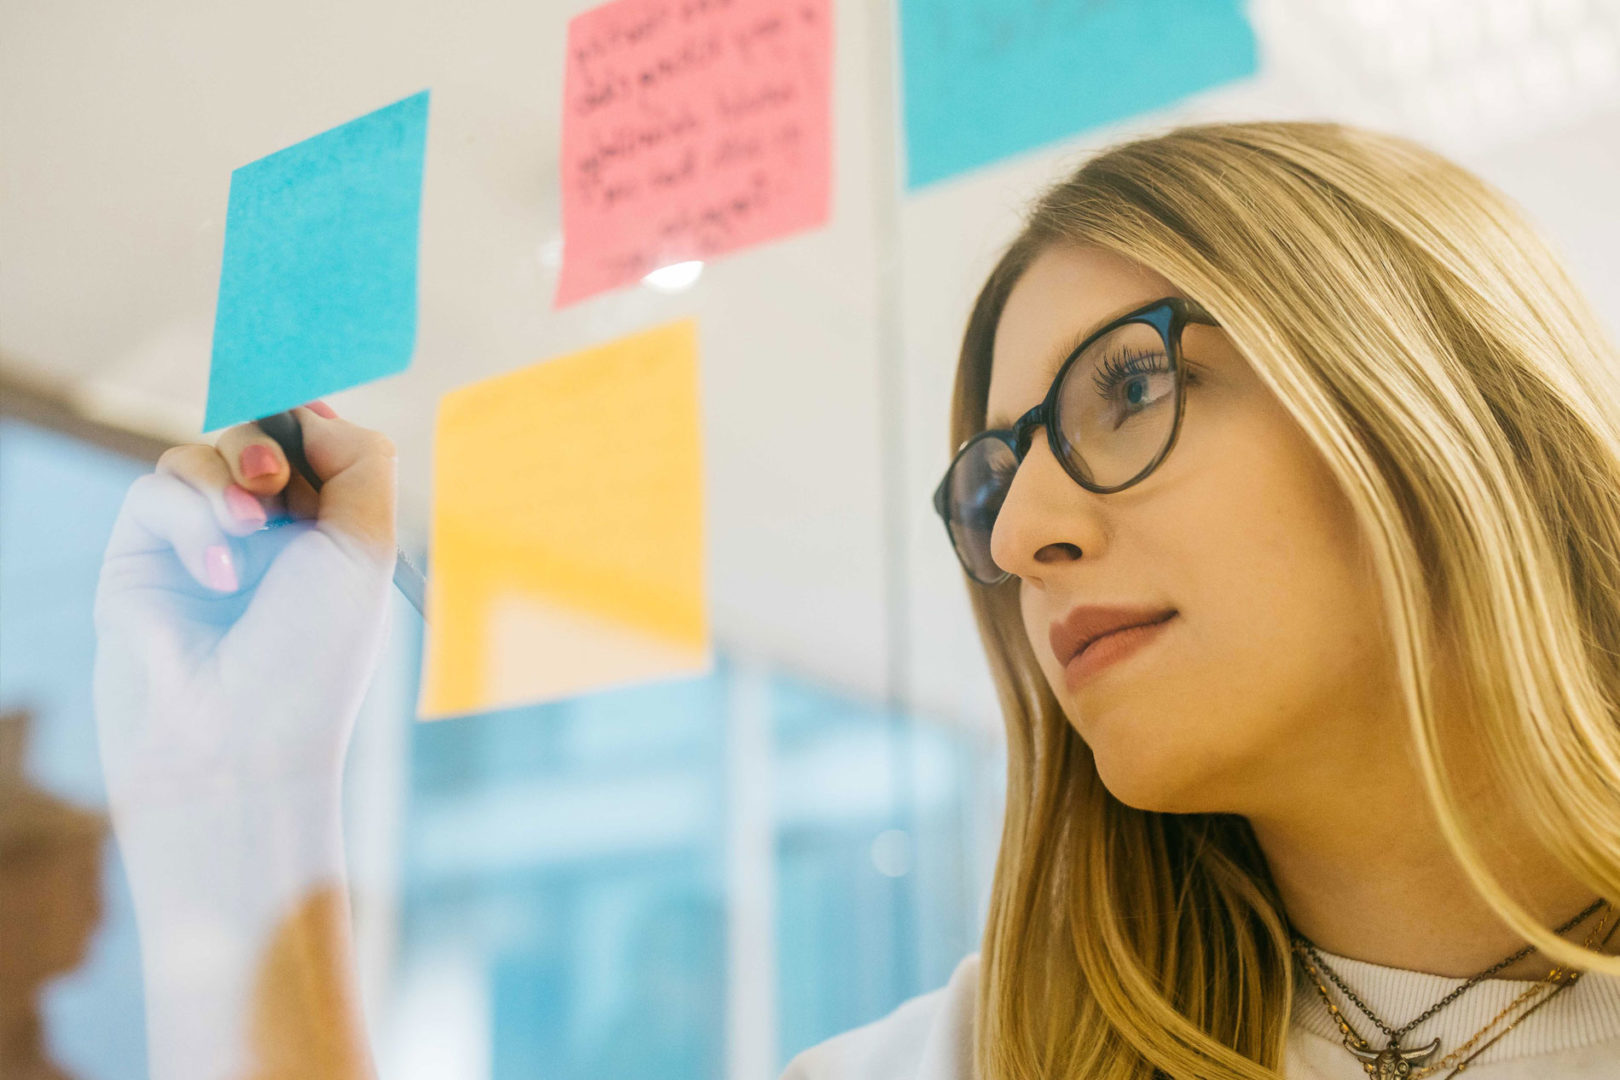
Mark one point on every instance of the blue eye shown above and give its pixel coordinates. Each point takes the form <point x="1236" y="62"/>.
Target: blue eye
<point x="1129" y="369"/>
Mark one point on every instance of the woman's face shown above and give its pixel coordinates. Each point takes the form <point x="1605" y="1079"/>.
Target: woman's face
<point x="1273" y="676"/>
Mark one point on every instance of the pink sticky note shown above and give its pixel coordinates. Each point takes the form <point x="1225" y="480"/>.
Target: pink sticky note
<point x="691" y="128"/>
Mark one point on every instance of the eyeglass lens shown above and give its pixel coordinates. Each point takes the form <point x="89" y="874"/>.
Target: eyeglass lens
<point x="1115" y="411"/>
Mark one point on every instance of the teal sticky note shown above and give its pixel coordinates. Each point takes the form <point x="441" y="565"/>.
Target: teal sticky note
<point x="986" y="79"/>
<point x="317" y="288"/>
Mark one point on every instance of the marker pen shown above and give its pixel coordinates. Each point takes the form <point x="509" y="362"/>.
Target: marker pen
<point x="283" y="428"/>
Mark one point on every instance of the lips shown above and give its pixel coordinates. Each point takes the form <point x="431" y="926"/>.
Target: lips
<point x="1080" y="627"/>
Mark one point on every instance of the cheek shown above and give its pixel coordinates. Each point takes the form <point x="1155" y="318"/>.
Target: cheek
<point x="1289" y="635"/>
<point x="1279" y="653"/>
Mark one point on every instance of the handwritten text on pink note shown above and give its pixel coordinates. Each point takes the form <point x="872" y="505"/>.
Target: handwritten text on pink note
<point x="691" y="128"/>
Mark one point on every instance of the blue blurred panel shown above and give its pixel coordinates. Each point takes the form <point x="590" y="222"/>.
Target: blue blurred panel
<point x="664" y="972"/>
<point x="58" y="500"/>
<point x="624" y="728"/>
<point x="531" y="991"/>
<point x="841" y="930"/>
<point x="986" y="79"/>
<point x="876" y="888"/>
<point x="577" y="849"/>
<point x="844" y="930"/>
<point x="317" y="289"/>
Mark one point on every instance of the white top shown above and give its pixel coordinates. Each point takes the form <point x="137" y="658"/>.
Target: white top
<point x="1575" y="1036"/>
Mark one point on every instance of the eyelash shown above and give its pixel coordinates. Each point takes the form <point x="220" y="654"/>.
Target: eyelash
<point x="1117" y="366"/>
<point x="1120" y="365"/>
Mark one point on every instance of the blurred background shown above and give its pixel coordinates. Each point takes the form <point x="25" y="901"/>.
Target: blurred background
<point x="693" y="878"/>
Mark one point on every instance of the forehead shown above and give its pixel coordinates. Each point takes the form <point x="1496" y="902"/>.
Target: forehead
<point x="1065" y="292"/>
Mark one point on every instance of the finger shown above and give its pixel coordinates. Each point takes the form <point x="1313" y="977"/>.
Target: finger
<point x="238" y="511"/>
<point x="259" y="465"/>
<point x="301" y="500"/>
<point x="256" y="463"/>
<point x="162" y="514"/>
<point x="358" y="469"/>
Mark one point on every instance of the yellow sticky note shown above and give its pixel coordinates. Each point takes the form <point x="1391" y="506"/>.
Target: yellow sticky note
<point x="567" y="540"/>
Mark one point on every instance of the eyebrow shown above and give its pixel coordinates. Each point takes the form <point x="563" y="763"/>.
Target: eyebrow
<point x="1061" y="352"/>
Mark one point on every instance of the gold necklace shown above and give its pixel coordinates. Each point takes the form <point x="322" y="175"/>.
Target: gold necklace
<point x="1395" y="1062"/>
<point x="1557" y="979"/>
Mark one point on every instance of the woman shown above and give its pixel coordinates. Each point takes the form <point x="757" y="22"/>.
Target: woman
<point x="1288" y="487"/>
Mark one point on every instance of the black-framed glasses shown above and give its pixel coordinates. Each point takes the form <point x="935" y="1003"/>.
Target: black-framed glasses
<point x="1111" y="415"/>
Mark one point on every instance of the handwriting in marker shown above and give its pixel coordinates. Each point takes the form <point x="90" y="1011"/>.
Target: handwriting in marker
<point x="691" y="128"/>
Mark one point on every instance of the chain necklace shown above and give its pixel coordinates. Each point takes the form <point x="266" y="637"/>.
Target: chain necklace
<point x="1557" y="980"/>
<point x="1394" y="1061"/>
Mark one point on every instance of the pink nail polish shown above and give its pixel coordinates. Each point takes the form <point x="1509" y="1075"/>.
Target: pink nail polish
<point x="243" y="506"/>
<point x="257" y="460"/>
<point x="321" y="408"/>
<point x="217" y="565"/>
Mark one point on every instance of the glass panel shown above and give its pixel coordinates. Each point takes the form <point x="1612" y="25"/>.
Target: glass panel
<point x="62" y="888"/>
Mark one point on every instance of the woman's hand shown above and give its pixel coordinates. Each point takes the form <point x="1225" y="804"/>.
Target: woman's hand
<point x="232" y="657"/>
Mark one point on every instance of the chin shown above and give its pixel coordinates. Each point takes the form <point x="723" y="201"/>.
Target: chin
<point x="1160" y="779"/>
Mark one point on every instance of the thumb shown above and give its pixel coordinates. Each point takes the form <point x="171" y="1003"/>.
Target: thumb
<point x="358" y="471"/>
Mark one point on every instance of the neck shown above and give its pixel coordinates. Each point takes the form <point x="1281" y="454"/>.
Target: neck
<point x="1373" y="879"/>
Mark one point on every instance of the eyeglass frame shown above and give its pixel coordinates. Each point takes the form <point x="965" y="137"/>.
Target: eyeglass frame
<point x="1169" y="315"/>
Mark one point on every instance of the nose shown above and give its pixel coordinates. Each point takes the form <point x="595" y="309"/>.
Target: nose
<point x="1038" y="527"/>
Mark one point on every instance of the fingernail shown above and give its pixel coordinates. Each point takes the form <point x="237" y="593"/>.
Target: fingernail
<point x="321" y="408"/>
<point x="243" y="506"/>
<point x="257" y="460"/>
<point x="217" y="565"/>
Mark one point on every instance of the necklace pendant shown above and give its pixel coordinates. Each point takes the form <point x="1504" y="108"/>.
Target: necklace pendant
<point x="1392" y="1062"/>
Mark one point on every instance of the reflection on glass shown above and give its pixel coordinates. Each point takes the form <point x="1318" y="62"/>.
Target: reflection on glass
<point x="572" y="881"/>
<point x="50" y="901"/>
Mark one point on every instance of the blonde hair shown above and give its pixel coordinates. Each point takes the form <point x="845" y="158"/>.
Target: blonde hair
<point x="1453" y="378"/>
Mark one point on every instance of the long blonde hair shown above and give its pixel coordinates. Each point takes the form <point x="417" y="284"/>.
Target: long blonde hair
<point x="1468" y="402"/>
